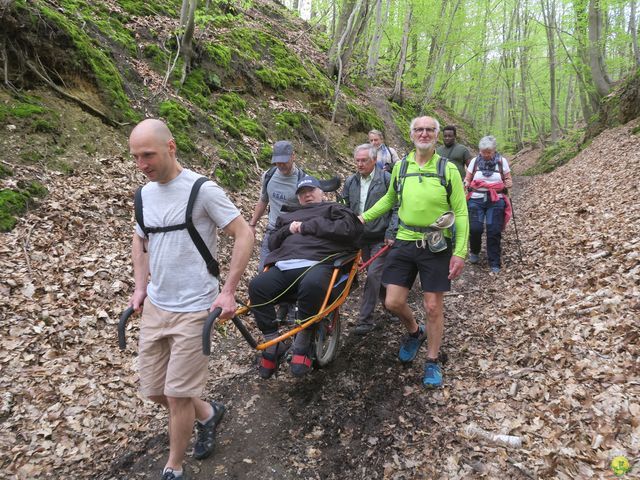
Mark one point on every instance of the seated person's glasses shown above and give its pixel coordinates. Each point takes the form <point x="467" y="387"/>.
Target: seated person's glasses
<point x="420" y="130"/>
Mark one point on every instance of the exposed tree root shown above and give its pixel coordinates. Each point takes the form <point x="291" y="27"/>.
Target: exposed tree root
<point x="84" y="105"/>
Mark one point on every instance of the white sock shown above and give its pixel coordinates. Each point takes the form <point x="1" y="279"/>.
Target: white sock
<point x="213" y="412"/>
<point x="177" y="473"/>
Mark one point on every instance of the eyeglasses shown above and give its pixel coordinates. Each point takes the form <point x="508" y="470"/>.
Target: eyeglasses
<point x="421" y="130"/>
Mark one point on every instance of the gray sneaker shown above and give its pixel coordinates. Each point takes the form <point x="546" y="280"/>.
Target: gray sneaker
<point x="206" y="433"/>
<point x="363" y="328"/>
<point x="474" y="258"/>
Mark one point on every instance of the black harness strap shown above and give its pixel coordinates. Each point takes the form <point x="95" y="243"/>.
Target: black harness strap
<point x="212" y="265"/>
<point x="441" y="168"/>
<point x="415" y="229"/>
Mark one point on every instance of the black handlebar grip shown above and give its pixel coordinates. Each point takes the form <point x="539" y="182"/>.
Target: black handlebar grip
<point x="206" y="331"/>
<point x="122" y="325"/>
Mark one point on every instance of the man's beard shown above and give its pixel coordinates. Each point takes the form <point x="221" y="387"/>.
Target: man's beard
<point x="423" y="146"/>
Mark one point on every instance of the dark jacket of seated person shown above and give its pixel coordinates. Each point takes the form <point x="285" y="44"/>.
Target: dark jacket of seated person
<point x="327" y="228"/>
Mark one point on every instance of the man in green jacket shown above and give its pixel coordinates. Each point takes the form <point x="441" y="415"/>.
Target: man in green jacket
<point x="422" y="201"/>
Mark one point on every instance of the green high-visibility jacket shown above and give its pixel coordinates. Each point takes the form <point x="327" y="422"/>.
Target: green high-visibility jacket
<point x="424" y="199"/>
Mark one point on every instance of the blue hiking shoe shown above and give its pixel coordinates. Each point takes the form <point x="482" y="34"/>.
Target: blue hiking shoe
<point x="409" y="345"/>
<point x="432" y="375"/>
<point x="474" y="258"/>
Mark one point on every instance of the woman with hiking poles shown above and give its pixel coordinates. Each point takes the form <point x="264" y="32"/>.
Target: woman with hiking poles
<point x="487" y="180"/>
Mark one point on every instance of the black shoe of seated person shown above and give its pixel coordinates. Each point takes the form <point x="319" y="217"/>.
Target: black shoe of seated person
<point x="300" y="363"/>
<point x="269" y="362"/>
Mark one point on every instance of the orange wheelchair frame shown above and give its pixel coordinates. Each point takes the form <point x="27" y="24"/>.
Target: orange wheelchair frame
<point x="326" y="339"/>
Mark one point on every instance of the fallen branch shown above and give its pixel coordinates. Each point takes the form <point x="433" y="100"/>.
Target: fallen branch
<point x="85" y="106"/>
<point x="25" y="249"/>
<point x="171" y="67"/>
<point x="5" y="61"/>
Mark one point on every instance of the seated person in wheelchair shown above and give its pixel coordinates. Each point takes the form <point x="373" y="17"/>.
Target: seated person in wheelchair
<point x="306" y="239"/>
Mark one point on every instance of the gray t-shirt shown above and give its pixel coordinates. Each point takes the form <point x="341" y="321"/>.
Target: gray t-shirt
<point x="281" y="189"/>
<point x="180" y="281"/>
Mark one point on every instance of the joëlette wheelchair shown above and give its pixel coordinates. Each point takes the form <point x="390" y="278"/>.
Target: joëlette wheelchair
<point x="326" y="323"/>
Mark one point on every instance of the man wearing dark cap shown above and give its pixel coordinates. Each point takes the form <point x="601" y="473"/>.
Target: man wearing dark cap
<point x="305" y="239"/>
<point x="279" y="185"/>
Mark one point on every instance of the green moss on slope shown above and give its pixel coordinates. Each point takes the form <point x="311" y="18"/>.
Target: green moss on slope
<point x="16" y="202"/>
<point x="103" y="68"/>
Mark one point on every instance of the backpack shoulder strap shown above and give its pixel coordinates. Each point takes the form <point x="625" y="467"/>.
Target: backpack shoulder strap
<point x="501" y="168"/>
<point x="442" y="174"/>
<point x="402" y="174"/>
<point x="212" y="265"/>
<point x="137" y="205"/>
<point x="475" y="167"/>
<point x="267" y="177"/>
<point x="301" y="174"/>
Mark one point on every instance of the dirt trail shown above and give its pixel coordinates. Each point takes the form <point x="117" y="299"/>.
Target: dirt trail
<point x="547" y="350"/>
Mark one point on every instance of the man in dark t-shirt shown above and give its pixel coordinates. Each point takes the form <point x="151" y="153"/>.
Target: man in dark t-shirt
<point x="454" y="151"/>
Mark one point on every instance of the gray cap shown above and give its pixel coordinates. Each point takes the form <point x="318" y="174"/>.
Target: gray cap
<point x="282" y="151"/>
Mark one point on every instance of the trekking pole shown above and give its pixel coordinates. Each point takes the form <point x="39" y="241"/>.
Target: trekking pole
<point x="515" y="227"/>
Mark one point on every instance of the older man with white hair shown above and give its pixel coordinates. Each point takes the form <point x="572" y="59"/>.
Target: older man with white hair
<point x="425" y="188"/>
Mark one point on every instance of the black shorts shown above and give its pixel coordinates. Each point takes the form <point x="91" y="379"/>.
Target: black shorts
<point x="405" y="260"/>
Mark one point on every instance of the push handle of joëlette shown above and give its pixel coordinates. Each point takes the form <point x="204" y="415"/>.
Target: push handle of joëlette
<point x="122" y="325"/>
<point x="208" y="324"/>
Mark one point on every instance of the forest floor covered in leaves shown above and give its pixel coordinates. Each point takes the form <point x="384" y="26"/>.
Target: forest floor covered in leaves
<point x="547" y="350"/>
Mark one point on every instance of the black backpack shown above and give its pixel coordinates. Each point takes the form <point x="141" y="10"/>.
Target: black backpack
<point x="475" y="168"/>
<point x="212" y="265"/>
<point x="441" y="169"/>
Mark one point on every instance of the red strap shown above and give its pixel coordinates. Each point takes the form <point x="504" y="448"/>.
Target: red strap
<point x="266" y="363"/>
<point x="301" y="360"/>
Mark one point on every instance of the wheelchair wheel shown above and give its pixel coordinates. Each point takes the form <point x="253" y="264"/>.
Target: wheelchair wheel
<point x="327" y="339"/>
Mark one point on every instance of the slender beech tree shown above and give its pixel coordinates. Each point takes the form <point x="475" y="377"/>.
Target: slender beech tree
<point x="633" y="32"/>
<point x="596" y="59"/>
<point x="549" y="15"/>
<point x="396" y="94"/>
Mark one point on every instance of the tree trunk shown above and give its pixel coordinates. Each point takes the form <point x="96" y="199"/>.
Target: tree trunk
<point x="374" y="47"/>
<point x="549" y="14"/>
<point x="596" y="60"/>
<point x="523" y="21"/>
<point x="345" y="36"/>
<point x="353" y="40"/>
<point x="396" y="95"/>
<point x="339" y="46"/>
<point x="589" y="97"/>
<point x="186" y="42"/>
<point x="633" y="31"/>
